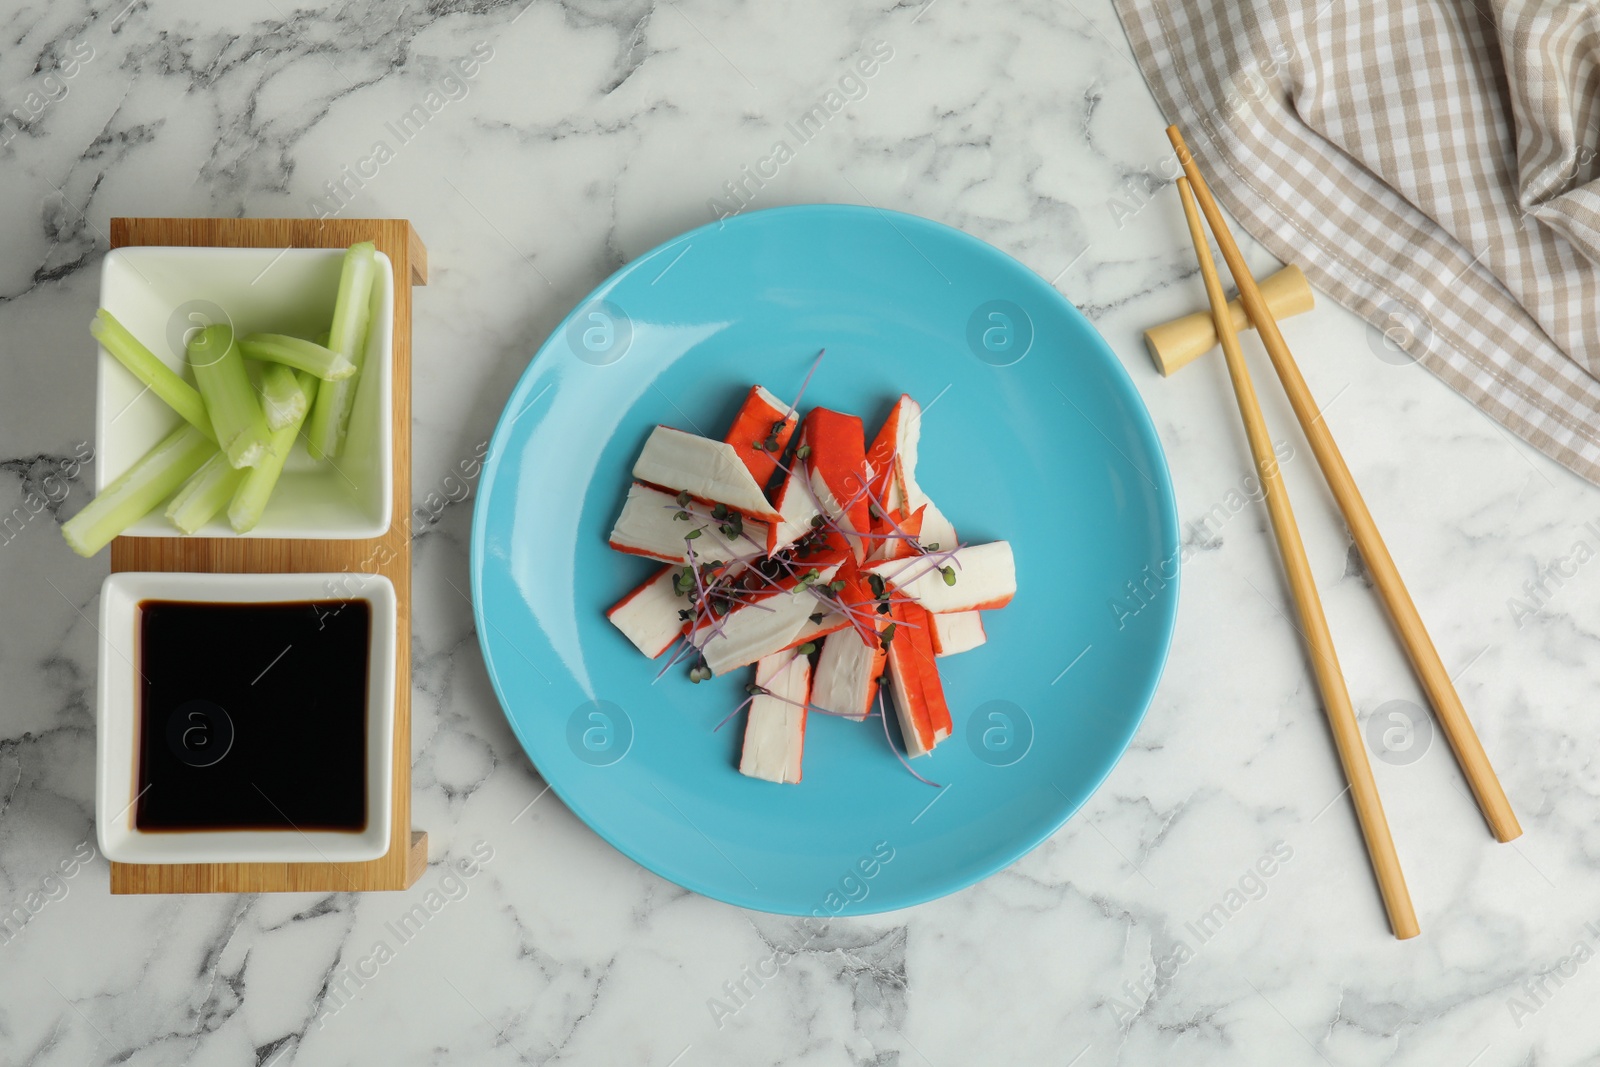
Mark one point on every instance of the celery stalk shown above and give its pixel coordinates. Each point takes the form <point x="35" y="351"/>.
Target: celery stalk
<point x="250" y="500"/>
<point x="281" y="398"/>
<point x="138" y="490"/>
<point x="330" y="415"/>
<point x="300" y="354"/>
<point x="235" y="413"/>
<point x="206" y="492"/>
<point x="163" y="381"/>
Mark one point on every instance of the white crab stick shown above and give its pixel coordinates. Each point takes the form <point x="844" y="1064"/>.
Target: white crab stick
<point x="706" y="469"/>
<point x="958" y="631"/>
<point x="648" y="526"/>
<point x="753" y="630"/>
<point x="775" y="726"/>
<point x="648" y="616"/>
<point x="985" y="577"/>
<point x="796" y="507"/>
<point x="847" y="674"/>
<point x="816" y="629"/>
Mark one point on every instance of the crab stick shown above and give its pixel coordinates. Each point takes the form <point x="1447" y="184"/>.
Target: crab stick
<point x="970" y="578"/>
<point x="848" y="667"/>
<point x="649" y="526"/>
<point x="797" y="506"/>
<point x="894" y="534"/>
<point x="649" y="615"/>
<point x="818" y="626"/>
<point x="761" y="432"/>
<point x="836" y="460"/>
<point x="914" y="680"/>
<point x="893" y="456"/>
<point x="775" y="725"/>
<point x="711" y="471"/>
<point x="759" y="626"/>
<point x="958" y="631"/>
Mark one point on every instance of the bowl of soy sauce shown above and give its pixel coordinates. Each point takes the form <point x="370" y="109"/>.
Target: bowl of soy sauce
<point x="245" y="717"/>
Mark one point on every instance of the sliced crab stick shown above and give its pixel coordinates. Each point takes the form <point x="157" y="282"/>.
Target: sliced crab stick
<point x="883" y="455"/>
<point x="775" y="725"/>
<point x="958" y="631"/>
<point x="967" y="579"/>
<point x="797" y="506"/>
<point x="837" y="463"/>
<point x="649" y="526"/>
<point x="648" y="616"/>
<point x="819" y="624"/>
<point x="761" y="432"/>
<point x="708" y="470"/>
<point x="893" y="457"/>
<point x="757" y="628"/>
<point x="848" y="667"/>
<point x="914" y="680"/>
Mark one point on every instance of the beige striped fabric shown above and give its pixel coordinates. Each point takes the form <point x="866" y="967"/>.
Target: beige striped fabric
<point x="1429" y="164"/>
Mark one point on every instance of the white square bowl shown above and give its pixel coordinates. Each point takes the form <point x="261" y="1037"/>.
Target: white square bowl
<point x="159" y="293"/>
<point x="117" y="749"/>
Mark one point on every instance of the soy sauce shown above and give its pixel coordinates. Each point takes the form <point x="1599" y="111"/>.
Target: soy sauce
<point x="253" y="716"/>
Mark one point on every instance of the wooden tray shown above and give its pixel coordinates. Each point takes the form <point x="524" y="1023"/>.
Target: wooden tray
<point x="389" y="555"/>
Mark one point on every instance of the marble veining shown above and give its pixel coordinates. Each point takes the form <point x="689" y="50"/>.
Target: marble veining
<point x="1210" y="904"/>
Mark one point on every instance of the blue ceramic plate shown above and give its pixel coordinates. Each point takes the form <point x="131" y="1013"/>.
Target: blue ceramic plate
<point x="1032" y="432"/>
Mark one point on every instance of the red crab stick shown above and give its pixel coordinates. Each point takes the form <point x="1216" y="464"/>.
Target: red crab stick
<point x="761" y="432"/>
<point x="893" y="457"/>
<point x="836" y="459"/>
<point x="914" y="680"/>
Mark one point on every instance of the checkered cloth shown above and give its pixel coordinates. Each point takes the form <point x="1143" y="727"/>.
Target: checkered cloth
<point x="1430" y="164"/>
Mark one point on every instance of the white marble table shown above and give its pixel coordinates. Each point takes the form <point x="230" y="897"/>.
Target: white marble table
<point x="587" y="133"/>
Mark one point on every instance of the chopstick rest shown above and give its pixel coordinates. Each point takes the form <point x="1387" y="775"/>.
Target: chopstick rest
<point x="1176" y="344"/>
<point x="1308" y="604"/>
<point x="1430" y="670"/>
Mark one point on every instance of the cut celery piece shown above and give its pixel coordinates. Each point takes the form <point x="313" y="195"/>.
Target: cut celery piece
<point x="300" y="354"/>
<point x="330" y="415"/>
<point x="281" y="398"/>
<point x="206" y="492"/>
<point x="250" y="500"/>
<point x="136" y="492"/>
<point x="163" y="381"/>
<point x="235" y="413"/>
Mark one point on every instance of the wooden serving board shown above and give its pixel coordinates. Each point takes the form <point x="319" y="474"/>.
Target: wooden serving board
<point x="389" y="555"/>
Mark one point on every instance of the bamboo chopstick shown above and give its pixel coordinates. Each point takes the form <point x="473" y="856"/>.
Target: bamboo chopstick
<point x="1457" y="727"/>
<point x="1314" y="625"/>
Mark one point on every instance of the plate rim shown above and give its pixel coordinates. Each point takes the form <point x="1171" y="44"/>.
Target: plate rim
<point x="933" y="889"/>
